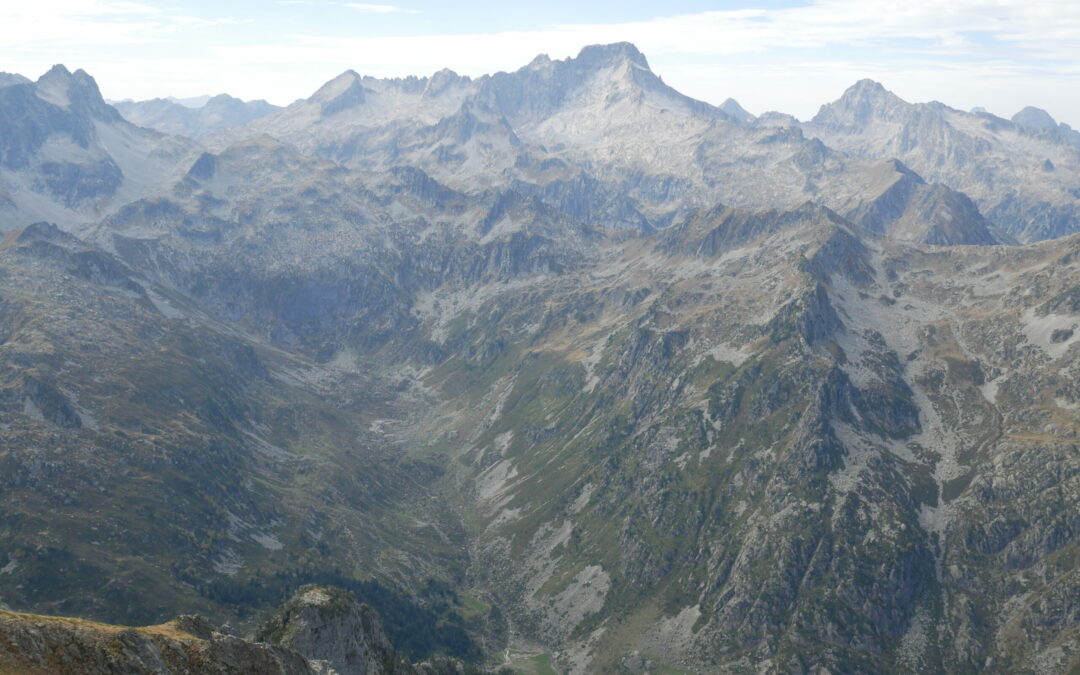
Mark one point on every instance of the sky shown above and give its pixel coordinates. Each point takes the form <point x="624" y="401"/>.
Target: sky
<point x="787" y="55"/>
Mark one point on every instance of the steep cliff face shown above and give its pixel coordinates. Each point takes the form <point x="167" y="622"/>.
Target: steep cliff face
<point x="900" y="204"/>
<point x="328" y="625"/>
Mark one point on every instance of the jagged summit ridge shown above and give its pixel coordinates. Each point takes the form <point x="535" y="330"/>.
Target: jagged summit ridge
<point x="735" y="111"/>
<point x="861" y="103"/>
<point x="593" y="56"/>
<point x="76" y="91"/>
<point x="602" y="112"/>
<point x="1019" y="173"/>
<point x="68" y="156"/>
<point x="336" y="87"/>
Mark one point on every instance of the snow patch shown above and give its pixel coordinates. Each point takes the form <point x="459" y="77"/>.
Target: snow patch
<point x="989" y="388"/>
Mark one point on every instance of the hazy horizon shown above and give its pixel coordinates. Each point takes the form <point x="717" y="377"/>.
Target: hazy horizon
<point x="786" y="56"/>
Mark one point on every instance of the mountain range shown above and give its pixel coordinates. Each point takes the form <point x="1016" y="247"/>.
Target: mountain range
<point x="556" y="366"/>
<point x="173" y="117"/>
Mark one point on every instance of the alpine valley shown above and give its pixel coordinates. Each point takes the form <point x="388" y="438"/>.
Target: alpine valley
<point x="556" y="370"/>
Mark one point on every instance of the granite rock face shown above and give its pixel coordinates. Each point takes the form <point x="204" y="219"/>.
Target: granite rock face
<point x="328" y="625"/>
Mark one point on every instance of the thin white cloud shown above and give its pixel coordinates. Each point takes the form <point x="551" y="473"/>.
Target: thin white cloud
<point x="379" y="9"/>
<point x="950" y="29"/>
<point x="63" y="22"/>
<point x="51" y="25"/>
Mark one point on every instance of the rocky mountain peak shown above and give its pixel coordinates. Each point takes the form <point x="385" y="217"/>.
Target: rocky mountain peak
<point x="598" y="75"/>
<point x="232" y="110"/>
<point x="58" y="71"/>
<point x="344" y="91"/>
<point x="65" y="89"/>
<point x="735" y="111"/>
<point x="861" y="103"/>
<point x="866" y="84"/>
<point x="169" y="116"/>
<point x="443" y="80"/>
<point x="221" y="99"/>
<point x="53" y="85"/>
<point x="1034" y="118"/>
<point x="599" y="56"/>
<point x="540" y="62"/>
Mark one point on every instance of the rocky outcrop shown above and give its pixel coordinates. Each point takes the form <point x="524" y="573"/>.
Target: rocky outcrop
<point x="43" y="645"/>
<point x="908" y="209"/>
<point x="328" y="625"/>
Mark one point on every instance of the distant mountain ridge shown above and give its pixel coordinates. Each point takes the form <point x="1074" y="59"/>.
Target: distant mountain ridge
<point x="1021" y="173"/>
<point x="556" y="367"/>
<point x="67" y="156"/>
<point x="173" y="117"/>
<point x="601" y="118"/>
<point x="537" y="127"/>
